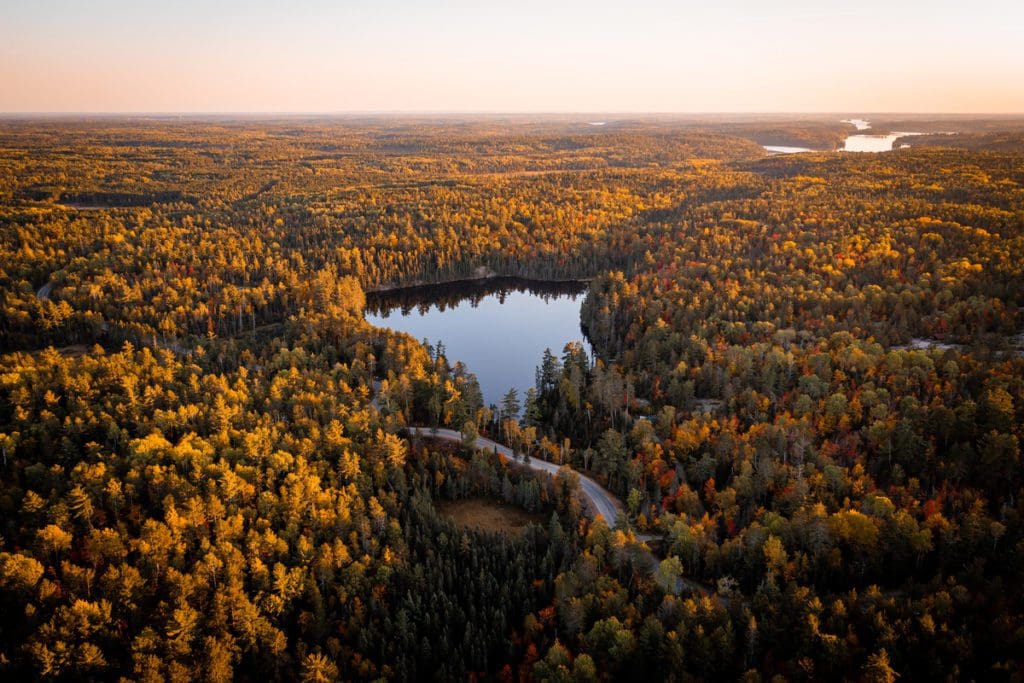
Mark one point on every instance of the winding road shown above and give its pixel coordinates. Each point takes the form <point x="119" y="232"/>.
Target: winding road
<point x="44" y="292"/>
<point x="600" y="501"/>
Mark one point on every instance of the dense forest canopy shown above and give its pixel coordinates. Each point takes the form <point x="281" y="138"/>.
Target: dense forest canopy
<point x="809" y="394"/>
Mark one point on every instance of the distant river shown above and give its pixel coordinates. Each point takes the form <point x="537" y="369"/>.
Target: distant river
<point x="498" y="327"/>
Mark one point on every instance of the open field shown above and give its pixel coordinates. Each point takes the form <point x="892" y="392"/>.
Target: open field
<point x="488" y="514"/>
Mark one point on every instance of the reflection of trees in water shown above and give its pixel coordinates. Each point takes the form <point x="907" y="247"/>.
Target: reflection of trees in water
<point x="449" y="294"/>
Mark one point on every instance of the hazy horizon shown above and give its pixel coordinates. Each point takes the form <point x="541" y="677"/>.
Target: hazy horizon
<point x="653" y="57"/>
<point x="441" y="113"/>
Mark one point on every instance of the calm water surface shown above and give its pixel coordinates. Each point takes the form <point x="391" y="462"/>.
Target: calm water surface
<point x="873" y="143"/>
<point x="498" y="328"/>
<point x="785" y="149"/>
<point x="864" y="142"/>
<point x="859" y="124"/>
<point x="860" y="142"/>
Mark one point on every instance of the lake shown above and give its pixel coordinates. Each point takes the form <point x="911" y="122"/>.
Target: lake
<point x="864" y="142"/>
<point x="873" y="143"/>
<point x="859" y="124"/>
<point x="861" y="142"/>
<point x="498" y="327"/>
<point x="784" y="149"/>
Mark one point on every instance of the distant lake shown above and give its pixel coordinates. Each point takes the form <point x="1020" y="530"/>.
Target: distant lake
<point x="859" y="124"/>
<point x="863" y="142"/>
<point x="499" y="327"/>
<point x="873" y="143"/>
<point x="783" y="149"/>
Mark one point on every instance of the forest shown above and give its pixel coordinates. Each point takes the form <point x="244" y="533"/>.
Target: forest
<point x="807" y="388"/>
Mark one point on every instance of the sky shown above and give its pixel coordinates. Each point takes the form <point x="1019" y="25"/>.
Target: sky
<point x="328" y="56"/>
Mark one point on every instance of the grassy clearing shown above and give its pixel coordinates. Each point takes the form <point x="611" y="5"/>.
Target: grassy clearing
<point x="488" y="514"/>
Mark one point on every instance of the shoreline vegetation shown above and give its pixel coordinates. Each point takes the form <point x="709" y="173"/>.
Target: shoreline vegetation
<point x="485" y="280"/>
<point x="406" y="297"/>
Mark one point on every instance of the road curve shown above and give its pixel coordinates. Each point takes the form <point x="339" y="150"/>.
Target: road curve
<point x="600" y="501"/>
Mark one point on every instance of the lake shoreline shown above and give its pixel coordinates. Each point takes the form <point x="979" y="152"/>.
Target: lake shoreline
<point x="491" y="278"/>
<point x="498" y="327"/>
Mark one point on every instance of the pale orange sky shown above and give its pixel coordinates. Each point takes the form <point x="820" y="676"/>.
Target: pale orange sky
<point x="389" y="55"/>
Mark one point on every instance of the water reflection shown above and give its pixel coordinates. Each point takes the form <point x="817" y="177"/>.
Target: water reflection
<point x="498" y="327"/>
